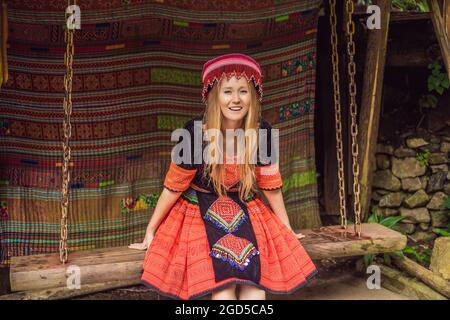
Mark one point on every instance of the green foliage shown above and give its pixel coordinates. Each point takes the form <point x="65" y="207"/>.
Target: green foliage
<point x="421" y="253"/>
<point x="411" y="5"/>
<point x="441" y="232"/>
<point x="404" y="5"/>
<point x="446" y="204"/>
<point x="423" y="157"/>
<point x="438" y="81"/>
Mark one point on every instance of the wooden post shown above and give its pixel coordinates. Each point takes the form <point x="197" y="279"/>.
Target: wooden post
<point x="441" y="26"/>
<point x="371" y="103"/>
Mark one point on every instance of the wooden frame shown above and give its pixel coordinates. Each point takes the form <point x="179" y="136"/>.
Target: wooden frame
<point x="441" y="23"/>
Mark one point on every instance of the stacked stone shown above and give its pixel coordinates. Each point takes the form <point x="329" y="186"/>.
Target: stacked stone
<point x="403" y="186"/>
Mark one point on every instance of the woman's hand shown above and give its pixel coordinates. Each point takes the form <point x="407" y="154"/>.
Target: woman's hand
<point x="144" y="244"/>
<point x="299" y="235"/>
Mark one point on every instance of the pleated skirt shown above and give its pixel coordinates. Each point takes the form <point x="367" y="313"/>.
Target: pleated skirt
<point x="178" y="263"/>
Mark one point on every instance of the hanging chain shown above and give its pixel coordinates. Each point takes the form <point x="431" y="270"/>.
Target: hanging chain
<point x="67" y="104"/>
<point x="350" y="8"/>
<point x="337" y="113"/>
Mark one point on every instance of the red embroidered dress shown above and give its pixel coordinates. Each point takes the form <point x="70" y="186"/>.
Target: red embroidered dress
<point x="206" y="243"/>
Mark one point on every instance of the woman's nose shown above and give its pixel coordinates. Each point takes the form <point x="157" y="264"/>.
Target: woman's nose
<point x="236" y="97"/>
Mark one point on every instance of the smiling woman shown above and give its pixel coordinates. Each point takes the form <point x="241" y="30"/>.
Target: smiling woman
<point x="218" y="233"/>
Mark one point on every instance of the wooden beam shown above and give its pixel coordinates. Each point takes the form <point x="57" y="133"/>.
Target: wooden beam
<point x="371" y="103"/>
<point x="447" y="17"/>
<point x="396" y="281"/>
<point x="44" y="271"/>
<point x="65" y="293"/>
<point x="375" y="239"/>
<point x="416" y="270"/>
<point x="441" y="28"/>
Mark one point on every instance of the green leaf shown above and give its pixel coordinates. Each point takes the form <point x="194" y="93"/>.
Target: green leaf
<point x="441" y="232"/>
<point x="391" y="221"/>
<point x="373" y="218"/>
<point x="446" y="204"/>
<point x="368" y="259"/>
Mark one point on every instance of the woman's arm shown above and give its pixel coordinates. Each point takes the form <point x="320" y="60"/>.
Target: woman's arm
<point x="276" y="202"/>
<point x="165" y="202"/>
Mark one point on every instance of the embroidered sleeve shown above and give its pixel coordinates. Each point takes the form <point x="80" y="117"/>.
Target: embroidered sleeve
<point x="177" y="178"/>
<point x="268" y="177"/>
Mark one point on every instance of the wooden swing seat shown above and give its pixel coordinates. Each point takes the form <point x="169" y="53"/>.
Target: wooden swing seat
<point x="102" y="266"/>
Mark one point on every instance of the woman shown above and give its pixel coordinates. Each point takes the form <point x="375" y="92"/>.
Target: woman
<point x="210" y="232"/>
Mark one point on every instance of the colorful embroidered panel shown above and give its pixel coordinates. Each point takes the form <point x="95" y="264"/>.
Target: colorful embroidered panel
<point x="226" y="214"/>
<point x="234" y="250"/>
<point x="137" y="75"/>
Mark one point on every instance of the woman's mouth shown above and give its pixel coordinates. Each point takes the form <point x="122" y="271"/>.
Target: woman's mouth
<point x="235" y="108"/>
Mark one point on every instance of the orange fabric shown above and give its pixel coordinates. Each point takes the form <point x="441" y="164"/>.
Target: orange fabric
<point x="178" y="264"/>
<point x="177" y="178"/>
<point x="232" y="175"/>
<point x="268" y="177"/>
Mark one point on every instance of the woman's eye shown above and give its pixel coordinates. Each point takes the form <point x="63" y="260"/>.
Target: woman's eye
<point x="227" y="92"/>
<point x="244" y="91"/>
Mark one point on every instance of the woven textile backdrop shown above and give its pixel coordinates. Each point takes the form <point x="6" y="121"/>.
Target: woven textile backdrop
<point x="136" y="79"/>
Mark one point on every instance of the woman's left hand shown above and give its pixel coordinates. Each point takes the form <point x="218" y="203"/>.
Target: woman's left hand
<point x="299" y="235"/>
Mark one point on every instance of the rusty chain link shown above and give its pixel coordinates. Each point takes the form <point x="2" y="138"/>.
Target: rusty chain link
<point x="337" y="113"/>
<point x="350" y="8"/>
<point x="67" y="130"/>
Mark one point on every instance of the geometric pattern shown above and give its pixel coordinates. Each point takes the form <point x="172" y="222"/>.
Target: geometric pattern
<point x="235" y="250"/>
<point x="225" y="214"/>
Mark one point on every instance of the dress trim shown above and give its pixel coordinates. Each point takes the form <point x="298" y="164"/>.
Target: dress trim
<point x="230" y="283"/>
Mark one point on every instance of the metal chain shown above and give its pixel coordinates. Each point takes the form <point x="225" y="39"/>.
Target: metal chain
<point x="67" y="130"/>
<point x="350" y="8"/>
<point x="337" y="113"/>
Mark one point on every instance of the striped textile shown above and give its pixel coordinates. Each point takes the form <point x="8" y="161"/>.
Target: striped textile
<point x="3" y="42"/>
<point x="138" y="77"/>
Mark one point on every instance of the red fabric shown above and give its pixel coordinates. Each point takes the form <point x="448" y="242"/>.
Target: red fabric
<point x="234" y="64"/>
<point x="268" y="177"/>
<point x="177" y="178"/>
<point x="178" y="264"/>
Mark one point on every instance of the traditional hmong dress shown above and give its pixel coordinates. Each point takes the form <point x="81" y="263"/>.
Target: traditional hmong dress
<point x="206" y="243"/>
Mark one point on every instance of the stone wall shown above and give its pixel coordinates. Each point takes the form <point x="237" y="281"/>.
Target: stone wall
<point x="413" y="180"/>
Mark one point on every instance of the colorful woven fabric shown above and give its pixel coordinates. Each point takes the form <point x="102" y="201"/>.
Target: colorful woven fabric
<point x="3" y="42"/>
<point x="137" y="77"/>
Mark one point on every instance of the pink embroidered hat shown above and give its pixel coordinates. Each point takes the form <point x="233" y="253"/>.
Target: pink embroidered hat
<point x="233" y="64"/>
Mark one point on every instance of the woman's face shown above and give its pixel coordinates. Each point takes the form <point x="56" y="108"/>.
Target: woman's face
<point x="234" y="99"/>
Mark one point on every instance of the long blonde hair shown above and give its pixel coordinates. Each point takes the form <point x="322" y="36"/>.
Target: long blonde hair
<point x="213" y="119"/>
